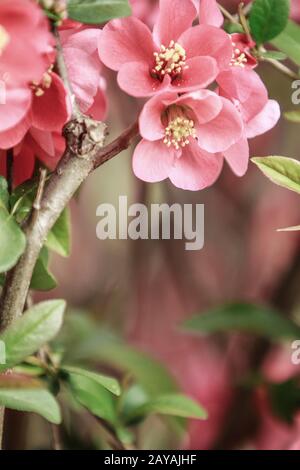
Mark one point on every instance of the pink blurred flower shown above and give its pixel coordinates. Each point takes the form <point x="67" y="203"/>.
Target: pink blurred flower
<point x="175" y="57"/>
<point x="182" y="137"/>
<point x="24" y="56"/>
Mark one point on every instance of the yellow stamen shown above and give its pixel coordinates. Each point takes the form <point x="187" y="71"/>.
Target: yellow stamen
<point x="170" y="60"/>
<point x="179" y="128"/>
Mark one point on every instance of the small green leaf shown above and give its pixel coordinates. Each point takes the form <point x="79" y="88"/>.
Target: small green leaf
<point x="12" y="241"/>
<point x="85" y="341"/>
<point x="32" y="400"/>
<point x="4" y="195"/>
<point x="59" y="238"/>
<point x="290" y="229"/>
<point x="289" y="42"/>
<point x="274" y="55"/>
<point x="111" y="384"/>
<point x="42" y="279"/>
<point x="171" y="405"/>
<point x="31" y="331"/>
<point x="93" y="396"/>
<point x="293" y="116"/>
<point x="282" y="171"/>
<point x="268" y="18"/>
<point x="97" y="11"/>
<point x="244" y="317"/>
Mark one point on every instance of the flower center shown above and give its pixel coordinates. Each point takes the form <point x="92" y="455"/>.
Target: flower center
<point x="4" y="39"/>
<point x="169" y="61"/>
<point x="239" y="58"/>
<point x="39" y="88"/>
<point x="179" y="128"/>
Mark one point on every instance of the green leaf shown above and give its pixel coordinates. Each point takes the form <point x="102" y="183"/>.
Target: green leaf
<point x="289" y="42"/>
<point x="59" y="238"/>
<point x="268" y="18"/>
<point x="42" y="279"/>
<point x="97" y="11"/>
<point x="31" y="331"/>
<point x="282" y="171"/>
<point x="93" y="396"/>
<point x="84" y="341"/>
<point x="290" y="229"/>
<point x="274" y="55"/>
<point x="4" y="195"/>
<point x="12" y="241"/>
<point x="111" y="384"/>
<point x="32" y="400"/>
<point x="244" y="317"/>
<point x="171" y="405"/>
<point x="293" y="116"/>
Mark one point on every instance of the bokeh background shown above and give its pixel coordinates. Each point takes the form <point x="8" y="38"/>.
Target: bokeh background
<point x="143" y="290"/>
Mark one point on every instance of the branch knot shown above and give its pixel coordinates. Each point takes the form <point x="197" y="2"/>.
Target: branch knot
<point x="84" y="136"/>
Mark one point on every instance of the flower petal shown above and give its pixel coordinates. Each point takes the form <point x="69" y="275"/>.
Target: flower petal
<point x="264" y="121"/>
<point x="50" y="112"/>
<point x="175" y="16"/>
<point x="195" y="169"/>
<point x="152" y="161"/>
<point x="24" y="162"/>
<point x="16" y="105"/>
<point x="134" y="78"/>
<point x="210" y="13"/>
<point x="205" y="104"/>
<point x="237" y="157"/>
<point x="222" y="132"/>
<point x="200" y="73"/>
<point x="246" y="88"/>
<point x="83" y="71"/>
<point x="12" y="137"/>
<point x="209" y="41"/>
<point x="150" y="123"/>
<point x="125" y="40"/>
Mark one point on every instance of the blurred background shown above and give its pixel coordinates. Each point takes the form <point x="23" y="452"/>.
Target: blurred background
<point x="141" y="291"/>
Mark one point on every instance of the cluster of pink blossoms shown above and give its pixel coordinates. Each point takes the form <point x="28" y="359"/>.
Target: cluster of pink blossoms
<point x="34" y="102"/>
<point x="187" y="129"/>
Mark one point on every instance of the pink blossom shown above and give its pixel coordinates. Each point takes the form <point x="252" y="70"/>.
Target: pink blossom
<point x="175" y="57"/>
<point x="182" y="138"/>
<point x="146" y="10"/>
<point x="259" y="114"/>
<point x="85" y="70"/>
<point x="24" y="56"/>
<point x="38" y="134"/>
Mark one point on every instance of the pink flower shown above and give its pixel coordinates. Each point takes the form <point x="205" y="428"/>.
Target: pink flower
<point x="175" y="57"/>
<point x="84" y="70"/>
<point x="182" y="138"/>
<point x="25" y="42"/>
<point x="259" y="114"/>
<point x="242" y="56"/>
<point x="49" y="110"/>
